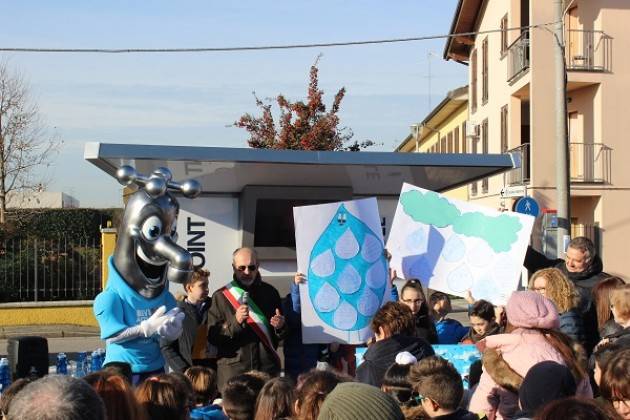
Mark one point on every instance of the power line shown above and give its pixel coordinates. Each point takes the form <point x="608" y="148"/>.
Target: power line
<point x="259" y="48"/>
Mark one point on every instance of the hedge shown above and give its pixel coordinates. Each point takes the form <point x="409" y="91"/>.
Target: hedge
<point x="73" y="224"/>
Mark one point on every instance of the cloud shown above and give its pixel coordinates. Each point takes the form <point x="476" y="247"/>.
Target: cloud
<point x="429" y="208"/>
<point x="500" y="232"/>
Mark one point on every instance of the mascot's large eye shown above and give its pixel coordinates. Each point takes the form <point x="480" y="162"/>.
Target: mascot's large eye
<point x="152" y="228"/>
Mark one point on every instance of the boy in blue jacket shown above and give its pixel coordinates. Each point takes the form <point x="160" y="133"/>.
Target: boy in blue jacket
<point x="449" y="331"/>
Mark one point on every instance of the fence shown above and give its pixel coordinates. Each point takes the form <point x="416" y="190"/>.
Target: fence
<point x="520" y="176"/>
<point x="588" y="50"/>
<point x="590" y="162"/>
<point x="49" y="270"/>
<point x="518" y="56"/>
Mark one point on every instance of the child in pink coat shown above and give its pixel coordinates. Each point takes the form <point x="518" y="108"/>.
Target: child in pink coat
<point x="533" y="339"/>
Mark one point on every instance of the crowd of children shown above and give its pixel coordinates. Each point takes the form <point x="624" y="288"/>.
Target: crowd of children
<point x="537" y="363"/>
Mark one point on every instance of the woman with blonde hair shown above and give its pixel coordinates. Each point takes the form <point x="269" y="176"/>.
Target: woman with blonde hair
<point x="555" y="286"/>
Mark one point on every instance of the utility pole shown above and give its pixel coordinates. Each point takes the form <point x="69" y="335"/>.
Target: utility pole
<point x="563" y="191"/>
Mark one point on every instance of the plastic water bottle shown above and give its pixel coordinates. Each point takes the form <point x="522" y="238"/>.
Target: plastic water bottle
<point x="62" y="364"/>
<point x="96" y="361"/>
<point x="81" y="365"/>
<point x="5" y="374"/>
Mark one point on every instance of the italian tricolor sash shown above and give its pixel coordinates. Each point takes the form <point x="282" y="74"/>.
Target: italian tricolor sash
<point x="256" y="319"/>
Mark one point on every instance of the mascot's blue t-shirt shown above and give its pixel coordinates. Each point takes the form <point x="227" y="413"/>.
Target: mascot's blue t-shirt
<point x="119" y="307"/>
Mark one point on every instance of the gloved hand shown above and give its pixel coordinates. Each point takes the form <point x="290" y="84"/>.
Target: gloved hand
<point x="171" y="329"/>
<point x="155" y="321"/>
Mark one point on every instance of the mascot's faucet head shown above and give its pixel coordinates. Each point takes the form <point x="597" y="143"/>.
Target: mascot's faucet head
<point x="147" y="255"/>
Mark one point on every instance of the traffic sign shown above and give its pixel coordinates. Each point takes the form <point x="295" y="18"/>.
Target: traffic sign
<point x="527" y="205"/>
<point x="514" y="191"/>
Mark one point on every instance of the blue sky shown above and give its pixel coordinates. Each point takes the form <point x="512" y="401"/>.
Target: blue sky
<point x="191" y="99"/>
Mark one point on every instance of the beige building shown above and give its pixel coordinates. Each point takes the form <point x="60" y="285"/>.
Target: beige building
<point x="442" y="131"/>
<point x="512" y="107"/>
<point x="40" y="200"/>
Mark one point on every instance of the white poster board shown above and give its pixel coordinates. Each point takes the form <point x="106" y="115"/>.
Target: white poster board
<point x="454" y="246"/>
<point x="340" y="250"/>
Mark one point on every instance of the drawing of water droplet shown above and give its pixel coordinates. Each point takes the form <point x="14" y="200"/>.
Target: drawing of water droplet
<point x="371" y="249"/>
<point x="349" y="281"/>
<point x="376" y="276"/>
<point x="416" y="242"/>
<point x="326" y="299"/>
<point x="460" y="279"/>
<point x="344" y="283"/>
<point x="347" y="245"/>
<point x="368" y="303"/>
<point x="323" y="265"/>
<point x="454" y="249"/>
<point x="345" y="316"/>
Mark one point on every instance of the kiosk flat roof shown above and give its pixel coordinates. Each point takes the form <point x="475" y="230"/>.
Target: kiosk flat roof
<point x="228" y="170"/>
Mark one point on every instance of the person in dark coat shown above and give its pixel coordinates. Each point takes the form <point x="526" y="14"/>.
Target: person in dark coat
<point x="412" y="295"/>
<point x="393" y="326"/>
<point x="585" y="269"/>
<point x="555" y="286"/>
<point x="482" y="322"/>
<point x="544" y="382"/>
<point x="233" y="321"/>
<point x="192" y="345"/>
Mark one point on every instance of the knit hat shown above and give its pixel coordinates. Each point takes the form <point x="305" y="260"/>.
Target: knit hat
<point x="545" y="382"/>
<point x="531" y="310"/>
<point x="356" y="401"/>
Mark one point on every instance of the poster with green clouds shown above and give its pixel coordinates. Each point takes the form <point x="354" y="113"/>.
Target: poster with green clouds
<point x="454" y="246"/>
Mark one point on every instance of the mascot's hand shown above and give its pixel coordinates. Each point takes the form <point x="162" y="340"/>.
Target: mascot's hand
<point x="151" y="325"/>
<point x="171" y="329"/>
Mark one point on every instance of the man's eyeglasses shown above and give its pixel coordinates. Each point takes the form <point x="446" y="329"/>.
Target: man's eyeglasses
<point x="252" y="267"/>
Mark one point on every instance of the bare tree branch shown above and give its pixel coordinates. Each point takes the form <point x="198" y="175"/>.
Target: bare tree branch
<point x="25" y="142"/>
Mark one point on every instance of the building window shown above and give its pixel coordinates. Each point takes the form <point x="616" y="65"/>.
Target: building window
<point x="450" y="146"/>
<point x="473" y="81"/>
<point x="504" y="35"/>
<point x="484" y="150"/>
<point x="464" y="139"/>
<point x="456" y="135"/>
<point x="443" y="145"/>
<point x="504" y="129"/>
<point x="484" y="71"/>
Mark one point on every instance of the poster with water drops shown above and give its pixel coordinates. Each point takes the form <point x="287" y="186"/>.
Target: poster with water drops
<point x="340" y="250"/>
<point x="454" y="246"/>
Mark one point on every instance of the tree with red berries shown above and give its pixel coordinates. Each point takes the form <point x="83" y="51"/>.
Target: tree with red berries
<point x="301" y="126"/>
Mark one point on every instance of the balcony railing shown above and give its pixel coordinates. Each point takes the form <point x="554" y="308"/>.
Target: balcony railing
<point x="518" y="56"/>
<point x="588" y="50"/>
<point x="590" y="162"/>
<point x="520" y="176"/>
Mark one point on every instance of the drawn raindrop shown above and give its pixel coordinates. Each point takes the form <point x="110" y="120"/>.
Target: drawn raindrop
<point x="345" y="316"/>
<point x="460" y="279"/>
<point x="347" y="245"/>
<point x="368" y="303"/>
<point x="344" y="283"/>
<point x="326" y="299"/>
<point x="416" y="241"/>
<point x="371" y="249"/>
<point x="324" y="264"/>
<point x="349" y="281"/>
<point x="454" y="249"/>
<point x="376" y="276"/>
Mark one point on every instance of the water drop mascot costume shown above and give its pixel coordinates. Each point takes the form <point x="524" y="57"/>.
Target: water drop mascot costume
<point x="136" y="309"/>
